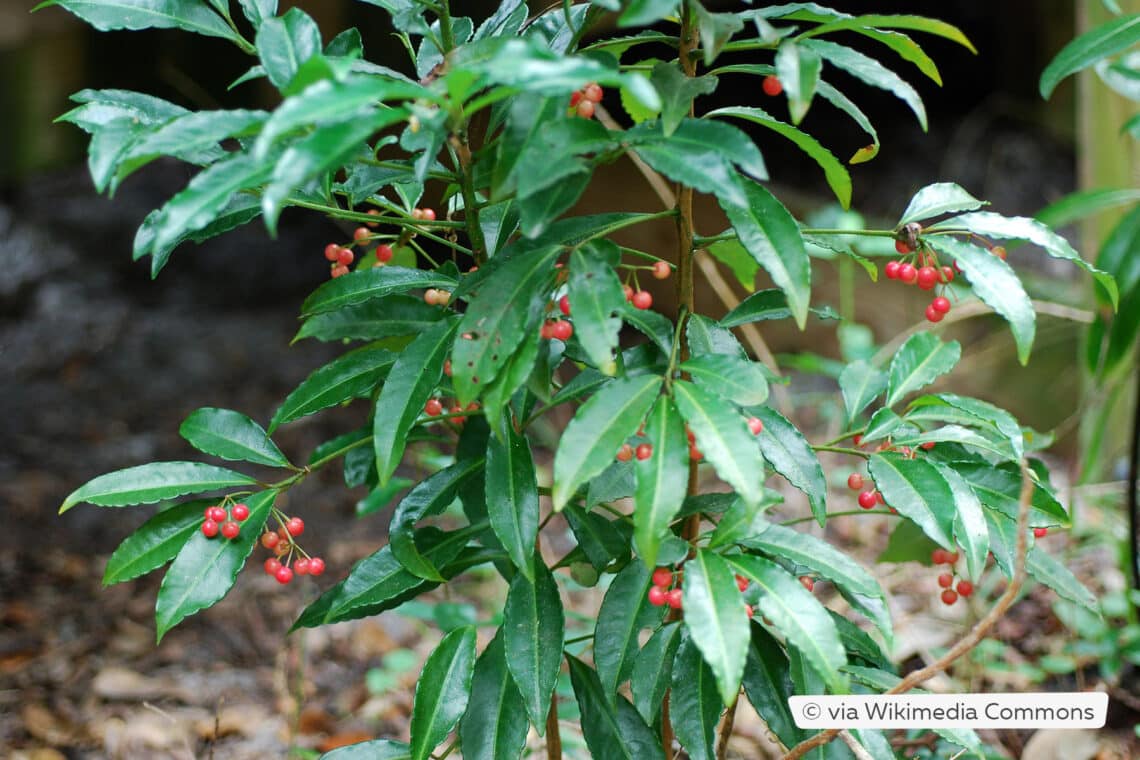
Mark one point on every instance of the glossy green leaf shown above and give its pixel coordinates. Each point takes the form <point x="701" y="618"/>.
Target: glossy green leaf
<point x="610" y="734"/>
<point x="716" y="620"/>
<point x="653" y="670"/>
<point x="838" y="178"/>
<point x="1084" y="204"/>
<point x="804" y="549"/>
<point x="662" y="479"/>
<point x="991" y="225"/>
<point x="231" y="435"/>
<point x="430" y="497"/>
<point x="991" y="444"/>
<point x="950" y="407"/>
<point x="933" y="26"/>
<point x="257" y="11"/>
<point x="697" y="154"/>
<point x="798" y="70"/>
<point x="918" y="362"/>
<point x="798" y="615"/>
<point x="997" y="286"/>
<point x="694" y="704"/>
<point x="379" y="318"/>
<point x="374" y="282"/>
<point x="768" y="684"/>
<point x="401" y="402"/>
<point x="1046" y="569"/>
<point x="707" y="337"/>
<point x="1117" y="254"/>
<point x="515" y="375"/>
<point x="843" y="103"/>
<point x="377" y="749"/>
<point x="678" y="92"/>
<point x="869" y="71"/>
<point x="596" y="301"/>
<point x="970" y="529"/>
<point x="100" y="107"/>
<point x="764" y="305"/>
<point x="741" y="381"/>
<point x="495" y="725"/>
<point x="240" y="209"/>
<point x="353" y="375"/>
<point x="645" y="12"/>
<point x="625" y="611"/>
<point x="286" y="42"/>
<point x="194" y="137"/>
<point x="602" y="541"/>
<point x="500" y="309"/>
<point x="742" y="520"/>
<point x="1095" y="45"/>
<point x="598" y="430"/>
<point x="533" y="631"/>
<point x="937" y="199"/>
<point x="538" y="211"/>
<point x="108" y="15"/>
<point x="205" y="568"/>
<point x="790" y="454"/>
<point x="860" y="383"/>
<point x="999" y="488"/>
<point x="732" y="254"/>
<point x="512" y="497"/>
<point x="150" y="483"/>
<point x="723" y="437"/>
<point x="442" y="691"/>
<point x="882" y="424"/>
<point x="917" y="490"/>
<point x="771" y="235"/>
<point x="155" y="542"/>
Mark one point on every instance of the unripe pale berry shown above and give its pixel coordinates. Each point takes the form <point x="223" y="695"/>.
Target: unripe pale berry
<point x="339" y="270"/>
<point x="855" y="481"/>
<point x="586" y="109"/>
<point x="642" y="299"/>
<point x="361" y="234"/>
<point x="662" y="270"/>
<point x="427" y="214"/>
<point x="998" y="251"/>
<point x="772" y="86"/>
<point x="372" y="212"/>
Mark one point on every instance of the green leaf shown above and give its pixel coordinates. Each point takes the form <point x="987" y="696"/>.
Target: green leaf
<point x="996" y="285"/>
<point x="694" y="704"/>
<point x="1045" y="569"/>
<point x="500" y="309"/>
<point x="257" y="11"/>
<point x="860" y="383"/>
<point x="652" y="671"/>
<point x="937" y="199"/>
<point x="1093" y="46"/>
<point x="662" y="479"/>
<point x="495" y="725"/>
<point x="950" y="407"/>
<point x="533" y="632"/>
<point x="205" y="568"/>
<point x="969" y="522"/>
<point x="240" y="209"/>
<point x="768" y="684"/>
<point x="819" y="556"/>
<point x="957" y="434"/>
<point x="625" y="611"/>
<point x="353" y="375"/>
<point x="920" y="360"/>
<point x="601" y="540"/>
<point x="645" y="12"/>
<point x="610" y="734"/>
<point x="377" y="749"/>
<point x="286" y="42"/>
<point x="365" y="284"/>
<point x="741" y="381"/>
<point x="379" y="318"/>
<point x="401" y="402"/>
<point x="843" y="103"/>
<point x="1084" y="204"/>
<point x="656" y="327"/>
<point x="442" y="691"/>
<point x="193" y="137"/>
<point x="732" y="254"/>
<point x="430" y="497"/>
<point x="715" y="619"/>
<point x="790" y="454"/>
<point x="770" y="233"/>
<point x="917" y="490"/>
<point x="723" y="437"/>
<point x="596" y="300"/>
<point x="598" y="430"/>
<point x="678" y="92"/>
<point x="915" y="23"/>
<point x="156" y="542"/>
<point x="150" y="483"/>
<point x="764" y="305"/>
<point x="798" y="69"/>
<point x="869" y="71"/>
<point x="999" y="488"/>
<point x="108" y="15"/>
<point x="231" y="435"/>
<point x="993" y="225"/>
<point x="512" y="497"/>
<point x="838" y="178"/>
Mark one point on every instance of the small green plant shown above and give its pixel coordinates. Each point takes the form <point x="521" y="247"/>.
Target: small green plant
<point x="479" y="306"/>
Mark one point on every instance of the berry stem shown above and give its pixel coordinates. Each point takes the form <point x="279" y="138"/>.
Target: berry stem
<point x="842" y="450"/>
<point x="862" y="512"/>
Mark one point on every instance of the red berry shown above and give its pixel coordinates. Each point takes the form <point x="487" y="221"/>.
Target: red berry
<point x="586" y="109"/>
<point x="946" y="580"/>
<point x="339" y="271"/>
<point x="741" y="582"/>
<point x="575" y="98"/>
<point x="662" y="270"/>
<point x="217" y="514"/>
<point x="926" y="446"/>
<point x="951" y="558"/>
<point x="938" y="556"/>
<point x="230" y="529"/>
<point x="695" y="453"/>
<point x="272" y="565"/>
<point x="372" y="212"/>
<point x="431" y="296"/>
<point x="949" y="596"/>
<point x="301" y="566"/>
<point x="593" y="92"/>
<point x="316" y="565"/>
<point x="947" y="274"/>
<point x="332" y="250"/>
<point x="283" y="575"/>
<point x="383" y="253"/>
<point x="658" y="596"/>
<point x="628" y="292"/>
<point x="933" y="315"/>
<point x="1040" y="532"/>
<point x="433" y="407"/>
<point x="808" y="582"/>
<point x="642" y="299"/>
<point x="772" y="86"/>
<point x="447" y="367"/>
<point x="998" y="251"/>
<point x="562" y="330"/>
<point x="345" y="257"/>
<point x="545" y="332"/>
<point x="456" y="410"/>
<point x="674" y="599"/>
<point x="209" y="528"/>
<point x="892" y="270"/>
<point x="965" y="588"/>
<point x="270" y="540"/>
<point x="756" y="425"/>
<point x="427" y="214"/>
<point x="927" y="278"/>
<point x="941" y="303"/>
<point x="361" y="234"/>
<point x="663" y="577"/>
<point x="564" y="305"/>
<point x="867" y="499"/>
<point x="901" y="246"/>
<point x="644" y="451"/>
<point x="855" y="481"/>
<point x="625" y="453"/>
<point x="908" y="274"/>
<point x="240" y="512"/>
<point x="295" y="526"/>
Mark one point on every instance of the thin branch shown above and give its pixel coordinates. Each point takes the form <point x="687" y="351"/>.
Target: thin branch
<point x="971" y="639"/>
<point x="553" y="737"/>
<point x="725" y="731"/>
<point x="856" y="748"/>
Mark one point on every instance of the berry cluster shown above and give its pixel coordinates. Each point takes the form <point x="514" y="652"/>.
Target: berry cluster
<point x="216" y="520"/>
<point x="434" y="297"/>
<point x="867" y="499"/>
<point x="666" y="589"/>
<point x="641" y="299"/>
<point x="584" y="101"/>
<point x="340" y="257"/>
<point x="434" y="408"/>
<point x="924" y="271"/>
<point x="946" y="580"/>
<point x="282" y="543"/>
